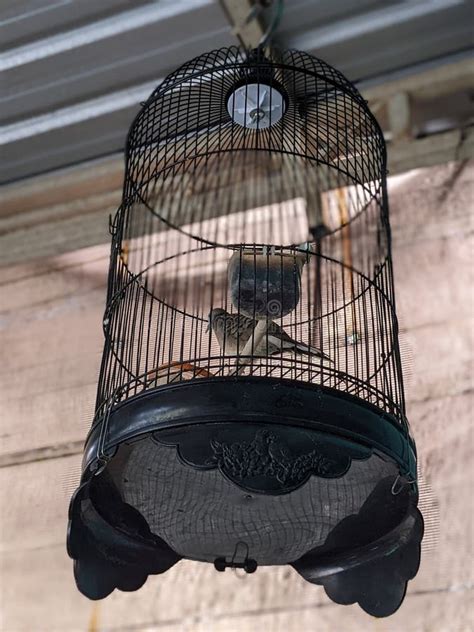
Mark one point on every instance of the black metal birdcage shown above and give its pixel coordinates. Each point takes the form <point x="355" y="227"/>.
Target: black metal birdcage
<point x="250" y="408"/>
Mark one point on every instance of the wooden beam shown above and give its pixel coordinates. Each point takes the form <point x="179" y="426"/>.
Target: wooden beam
<point x="60" y="450"/>
<point x="432" y="83"/>
<point x="399" y="116"/>
<point x="62" y="186"/>
<point x="455" y="145"/>
<point x="424" y="102"/>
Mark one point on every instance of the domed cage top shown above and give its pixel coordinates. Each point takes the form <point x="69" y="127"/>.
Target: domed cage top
<point x="250" y="407"/>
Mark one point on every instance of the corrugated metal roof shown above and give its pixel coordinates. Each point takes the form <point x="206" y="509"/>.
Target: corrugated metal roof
<point x="75" y="71"/>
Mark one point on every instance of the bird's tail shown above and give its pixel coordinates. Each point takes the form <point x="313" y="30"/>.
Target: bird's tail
<point x="301" y="347"/>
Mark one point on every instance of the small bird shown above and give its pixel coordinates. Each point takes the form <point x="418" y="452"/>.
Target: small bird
<point x="233" y="331"/>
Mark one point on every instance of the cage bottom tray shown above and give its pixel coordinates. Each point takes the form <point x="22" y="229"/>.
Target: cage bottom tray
<point x="244" y="473"/>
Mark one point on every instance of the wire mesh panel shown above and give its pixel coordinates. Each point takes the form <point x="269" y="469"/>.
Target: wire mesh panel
<point x="250" y="328"/>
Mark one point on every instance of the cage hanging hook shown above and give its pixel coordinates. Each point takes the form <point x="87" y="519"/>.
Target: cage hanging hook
<point x="248" y="565"/>
<point x="102" y="457"/>
<point x="398" y="485"/>
<point x="235" y="568"/>
<point x="236" y="549"/>
<point x="275" y="21"/>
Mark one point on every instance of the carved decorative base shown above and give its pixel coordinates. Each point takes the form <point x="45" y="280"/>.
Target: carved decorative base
<point x="300" y="476"/>
<point x="261" y="458"/>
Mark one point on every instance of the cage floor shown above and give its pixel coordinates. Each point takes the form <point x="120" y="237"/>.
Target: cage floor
<point x="202" y="515"/>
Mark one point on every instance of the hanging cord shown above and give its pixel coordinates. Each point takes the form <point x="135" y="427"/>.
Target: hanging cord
<point x="257" y="9"/>
<point x="274" y="23"/>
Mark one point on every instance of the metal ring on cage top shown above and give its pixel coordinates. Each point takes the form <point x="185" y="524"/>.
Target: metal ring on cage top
<point x="256" y="105"/>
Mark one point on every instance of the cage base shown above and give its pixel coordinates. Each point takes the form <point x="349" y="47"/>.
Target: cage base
<point x="280" y="474"/>
<point x="367" y="557"/>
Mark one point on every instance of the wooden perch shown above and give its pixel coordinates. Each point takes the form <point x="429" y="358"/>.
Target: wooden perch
<point x="164" y="375"/>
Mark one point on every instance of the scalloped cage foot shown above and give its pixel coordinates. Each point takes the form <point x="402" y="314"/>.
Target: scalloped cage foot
<point x="109" y="556"/>
<point x="373" y="554"/>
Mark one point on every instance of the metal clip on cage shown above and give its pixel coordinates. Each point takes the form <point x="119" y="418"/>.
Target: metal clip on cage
<point x="251" y="385"/>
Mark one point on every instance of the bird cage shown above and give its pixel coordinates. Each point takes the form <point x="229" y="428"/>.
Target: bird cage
<point x="250" y="408"/>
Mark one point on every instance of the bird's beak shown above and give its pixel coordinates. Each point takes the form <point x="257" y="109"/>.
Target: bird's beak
<point x="207" y="328"/>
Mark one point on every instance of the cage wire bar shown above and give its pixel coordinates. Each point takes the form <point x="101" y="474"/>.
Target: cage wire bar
<point x="252" y="247"/>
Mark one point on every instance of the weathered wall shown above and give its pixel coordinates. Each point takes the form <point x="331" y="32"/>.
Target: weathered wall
<point x="50" y="344"/>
